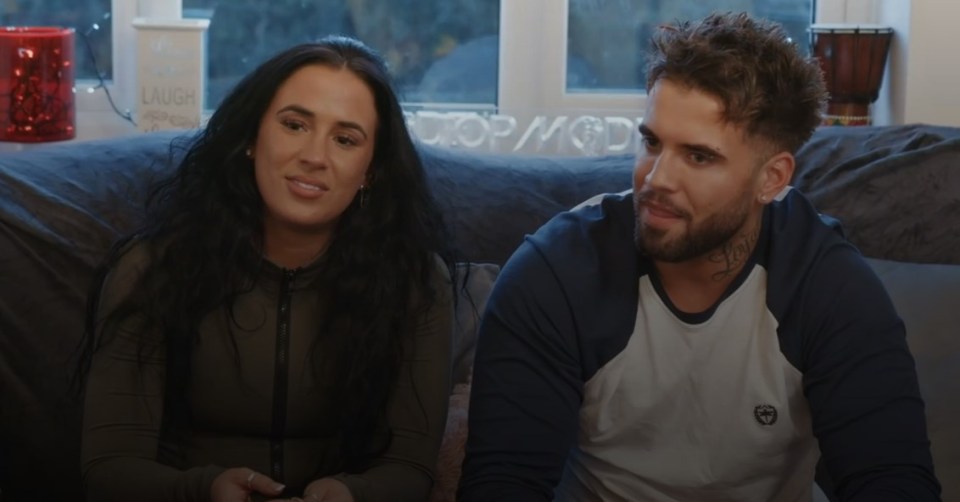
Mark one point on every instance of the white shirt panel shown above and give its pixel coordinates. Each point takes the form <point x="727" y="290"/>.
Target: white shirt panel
<point x="710" y="411"/>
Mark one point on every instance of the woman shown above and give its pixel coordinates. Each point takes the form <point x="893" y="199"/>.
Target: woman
<point x="280" y="326"/>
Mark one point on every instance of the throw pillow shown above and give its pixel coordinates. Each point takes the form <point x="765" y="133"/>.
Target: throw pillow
<point x="452" y="449"/>
<point x="476" y="282"/>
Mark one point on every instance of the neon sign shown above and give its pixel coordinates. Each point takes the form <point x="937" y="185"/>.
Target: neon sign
<point x="561" y="135"/>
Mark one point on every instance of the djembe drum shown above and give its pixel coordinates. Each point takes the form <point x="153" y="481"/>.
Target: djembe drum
<point x="853" y="58"/>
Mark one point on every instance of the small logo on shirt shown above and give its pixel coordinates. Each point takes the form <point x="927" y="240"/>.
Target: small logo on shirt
<point x="765" y="414"/>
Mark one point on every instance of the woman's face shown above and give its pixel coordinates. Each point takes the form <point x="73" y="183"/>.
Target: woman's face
<point x="313" y="151"/>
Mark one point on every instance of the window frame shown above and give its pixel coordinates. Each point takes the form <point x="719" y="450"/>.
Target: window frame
<point x="530" y="82"/>
<point x="535" y="81"/>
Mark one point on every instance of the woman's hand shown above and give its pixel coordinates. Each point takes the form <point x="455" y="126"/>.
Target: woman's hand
<point x="327" y="490"/>
<point x="236" y="485"/>
<point x="323" y="490"/>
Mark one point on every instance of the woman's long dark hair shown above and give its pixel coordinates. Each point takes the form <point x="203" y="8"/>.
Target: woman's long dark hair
<point x="204" y="228"/>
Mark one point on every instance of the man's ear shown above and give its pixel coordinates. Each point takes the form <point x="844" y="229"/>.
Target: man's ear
<point x="774" y="176"/>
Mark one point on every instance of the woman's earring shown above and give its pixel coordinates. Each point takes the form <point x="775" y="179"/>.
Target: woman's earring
<point x="363" y="195"/>
<point x="249" y="153"/>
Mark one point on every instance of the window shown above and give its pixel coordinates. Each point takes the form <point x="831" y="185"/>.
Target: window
<point x="607" y="39"/>
<point x="487" y="73"/>
<point x="572" y="70"/>
<point x="90" y="19"/>
<point x="589" y="54"/>
<point x="439" y="51"/>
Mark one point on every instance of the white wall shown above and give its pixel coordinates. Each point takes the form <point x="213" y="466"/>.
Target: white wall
<point x="890" y="107"/>
<point x="932" y="92"/>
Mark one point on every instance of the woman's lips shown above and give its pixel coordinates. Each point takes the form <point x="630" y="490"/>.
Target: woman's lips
<point x="307" y="186"/>
<point x="303" y="187"/>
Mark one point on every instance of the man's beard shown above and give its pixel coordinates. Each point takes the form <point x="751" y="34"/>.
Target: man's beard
<point x="697" y="241"/>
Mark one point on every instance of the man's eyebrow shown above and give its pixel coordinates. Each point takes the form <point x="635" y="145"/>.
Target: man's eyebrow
<point x="646" y="131"/>
<point x="690" y="147"/>
<point x="307" y="113"/>
<point x="705" y="150"/>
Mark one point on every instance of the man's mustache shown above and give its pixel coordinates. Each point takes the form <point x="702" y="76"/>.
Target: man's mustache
<point x="659" y="200"/>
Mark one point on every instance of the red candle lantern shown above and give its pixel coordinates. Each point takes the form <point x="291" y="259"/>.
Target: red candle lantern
<point x="36" y="84"/>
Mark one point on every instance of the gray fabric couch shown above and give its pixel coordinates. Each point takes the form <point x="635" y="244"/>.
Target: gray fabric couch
<point x="896" y="190"/>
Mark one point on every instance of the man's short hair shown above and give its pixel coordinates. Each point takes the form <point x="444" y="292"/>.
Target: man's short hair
<point x="766" y="85"/>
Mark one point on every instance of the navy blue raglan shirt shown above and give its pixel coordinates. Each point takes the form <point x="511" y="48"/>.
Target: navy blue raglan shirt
<point x="590" y="385"/>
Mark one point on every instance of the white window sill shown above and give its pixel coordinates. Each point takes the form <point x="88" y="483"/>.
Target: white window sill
<point x="90" y="125"/>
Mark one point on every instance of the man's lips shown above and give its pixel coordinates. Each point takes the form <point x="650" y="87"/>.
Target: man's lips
<point x="656" y="211"/>
<point x="660" y="211"/>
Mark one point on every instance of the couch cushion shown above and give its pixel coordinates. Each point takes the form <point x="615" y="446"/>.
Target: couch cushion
<point x="61" y="206"/>
<point x="895" y="189"/>
<point x="492" y="201"/>
<point x="925" y="296"/>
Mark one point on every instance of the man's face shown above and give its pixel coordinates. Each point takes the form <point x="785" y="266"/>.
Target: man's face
<point x="695" y="176"/>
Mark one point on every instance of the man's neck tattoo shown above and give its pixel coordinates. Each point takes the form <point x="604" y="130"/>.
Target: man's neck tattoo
<point x="734" y="253"/>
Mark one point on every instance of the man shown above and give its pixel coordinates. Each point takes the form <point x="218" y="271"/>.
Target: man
<point x="709" y="336"/>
